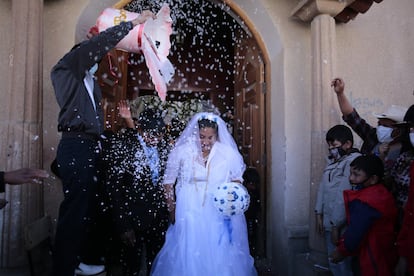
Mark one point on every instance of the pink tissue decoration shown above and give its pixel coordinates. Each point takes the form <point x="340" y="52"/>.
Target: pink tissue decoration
<point x="142" y="39"/>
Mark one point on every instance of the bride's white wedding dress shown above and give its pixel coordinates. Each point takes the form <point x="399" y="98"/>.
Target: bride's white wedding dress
<point x="202" y="241"/>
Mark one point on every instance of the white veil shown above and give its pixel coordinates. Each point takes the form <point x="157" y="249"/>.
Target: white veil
<point x="187" y="148"/>
<point x="191" y="132"/>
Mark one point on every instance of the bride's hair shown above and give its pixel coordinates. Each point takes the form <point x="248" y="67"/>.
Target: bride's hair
<point x="192" y="131"/>
<point x="204" y="122"/>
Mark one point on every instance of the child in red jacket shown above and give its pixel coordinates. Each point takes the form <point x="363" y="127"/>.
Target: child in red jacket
<point x="371" y="216"/>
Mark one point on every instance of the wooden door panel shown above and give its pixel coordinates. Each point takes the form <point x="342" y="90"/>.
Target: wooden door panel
<point x="250" y="121"/>
<point x="112" y="78"/>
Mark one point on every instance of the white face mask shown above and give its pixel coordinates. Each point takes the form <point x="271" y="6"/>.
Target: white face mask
<point x="93" y="69"/>
<point x="412" y="138"/>
<point x="384" y="134"/>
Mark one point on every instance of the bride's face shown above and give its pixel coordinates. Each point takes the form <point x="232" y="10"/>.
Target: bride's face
<point x="208" y="136"/>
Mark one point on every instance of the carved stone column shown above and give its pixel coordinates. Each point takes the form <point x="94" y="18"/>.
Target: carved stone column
<point x="325" y="111"/>
<point x="21" y="126"/>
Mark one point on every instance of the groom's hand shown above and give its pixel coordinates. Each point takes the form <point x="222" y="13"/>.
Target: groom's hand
<point x="172" y="215"/>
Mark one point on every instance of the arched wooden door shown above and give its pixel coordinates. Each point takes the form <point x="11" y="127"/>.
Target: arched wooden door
<point x="248" y="92"/>
<point x="250" y="119"/>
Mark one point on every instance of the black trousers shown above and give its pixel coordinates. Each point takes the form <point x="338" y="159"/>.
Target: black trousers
<point x="77" y="161"/>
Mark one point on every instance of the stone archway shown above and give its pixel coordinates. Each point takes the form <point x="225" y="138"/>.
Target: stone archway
<point x="243" y="13"/>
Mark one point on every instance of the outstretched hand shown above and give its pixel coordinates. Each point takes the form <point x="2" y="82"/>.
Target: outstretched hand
<point x="125" y="113"/>
<point x="25" y="175"/>
<point x="142" y="17"/>
<point x="124" y="110"/>
<point x="338" y="85"/>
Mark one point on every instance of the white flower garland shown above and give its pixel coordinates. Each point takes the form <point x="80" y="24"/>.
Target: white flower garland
<point x="179" y="111"/>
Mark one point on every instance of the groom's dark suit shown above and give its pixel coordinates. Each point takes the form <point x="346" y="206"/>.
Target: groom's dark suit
<point x="136" y="202"/>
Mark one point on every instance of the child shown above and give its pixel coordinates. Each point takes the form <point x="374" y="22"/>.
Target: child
<point x="371" y="216"/>
<point x="251" y="181"/>
<point x="329" y="209"/>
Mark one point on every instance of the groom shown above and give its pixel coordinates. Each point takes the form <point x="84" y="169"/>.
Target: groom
<point x="81" y="121"/>
<point x="136" y="161"/>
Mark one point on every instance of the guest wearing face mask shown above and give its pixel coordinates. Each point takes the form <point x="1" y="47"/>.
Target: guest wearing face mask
<point x="384" y="140"/>
<point x="400" y="172"/>
<point x="405" y="241"/>
<point x="403" y="173"/>
<point x="330" y="208"/>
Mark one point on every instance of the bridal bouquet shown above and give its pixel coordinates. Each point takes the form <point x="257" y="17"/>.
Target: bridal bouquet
<point x="231" y="199"/>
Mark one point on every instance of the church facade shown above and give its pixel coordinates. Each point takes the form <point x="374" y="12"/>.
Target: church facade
<point x="299" y="47"/>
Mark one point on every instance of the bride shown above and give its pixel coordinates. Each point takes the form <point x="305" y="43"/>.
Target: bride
<point x="200" y="241"/>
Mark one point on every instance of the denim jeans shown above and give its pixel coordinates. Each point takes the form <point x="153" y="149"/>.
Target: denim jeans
<point x="343" y="268"/>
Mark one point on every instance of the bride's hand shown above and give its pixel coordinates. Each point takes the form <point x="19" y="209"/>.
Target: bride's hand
<point x="170" y="201"/>
<point x="172" y="214"/>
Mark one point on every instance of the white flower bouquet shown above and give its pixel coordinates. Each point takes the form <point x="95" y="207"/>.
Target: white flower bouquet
<point x="231" y="199"/>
